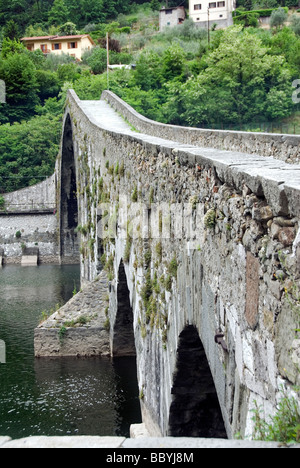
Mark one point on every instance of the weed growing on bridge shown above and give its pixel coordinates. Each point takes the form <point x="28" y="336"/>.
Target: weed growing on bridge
<point x="291" y="289"/>
<point x="45" y="314"/>
<point x="173" y="267"/>
<point x="62" y="333"/>
<point x="283" y="427"/>
<point x="134" y="196"/>
<point x="210" y="219"/>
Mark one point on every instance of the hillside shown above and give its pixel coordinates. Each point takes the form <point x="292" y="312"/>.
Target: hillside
<point x="241" y="78"/>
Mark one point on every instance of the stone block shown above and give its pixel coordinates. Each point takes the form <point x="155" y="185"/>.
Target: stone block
<point x="29" y="260"/>
<point x="287" y="236"/>
<point x="252" y="290"/>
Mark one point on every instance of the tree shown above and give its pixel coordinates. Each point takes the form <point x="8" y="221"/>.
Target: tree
<point x="59" y="13"/>
<point x="295" y="24"/>
<point x="278" y="18"/>
<point x="155" y="5"/>
<point x="10" y="47"/>
<point x="19" y="74"/>
<point x="28" y="151"/>
<point x="11" y="30"/>
<point x="67" y="29"/>
<point x="110" y="8"/>
<point x="242" y="82"/>
<point x="16" y="10"/>
<point x="173" y="62"/>
<point x="148" y="73"/>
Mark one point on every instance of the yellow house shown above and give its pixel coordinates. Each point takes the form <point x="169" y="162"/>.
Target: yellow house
<point x="72" y="45"/>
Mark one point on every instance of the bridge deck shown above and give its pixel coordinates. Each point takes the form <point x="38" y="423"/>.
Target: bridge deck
<point x="251" y="168"/>
<point x="103" y="115"/>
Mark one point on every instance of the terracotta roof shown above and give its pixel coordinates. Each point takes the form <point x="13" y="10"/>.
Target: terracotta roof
<point x="56" y="38"/>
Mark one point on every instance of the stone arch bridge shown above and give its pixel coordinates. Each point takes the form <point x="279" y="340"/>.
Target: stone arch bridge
<point x="198" y="233"/>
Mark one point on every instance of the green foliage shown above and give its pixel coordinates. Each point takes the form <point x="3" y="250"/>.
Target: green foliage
<point x="295" y="24"/>
<point x="19" y="75"/>
<point x="243" y="75"/>
<point x="247" y="18"/>
<point x="278" y="18"/>
<point x="28" y="151"/>
<point x="68" y="29"/>
<point x="283" y="427"/>
<point x="97" y="59"/>
<point x="59" y="13"/>
<point x="173" y="267"/>
<point x="210" y="219"/>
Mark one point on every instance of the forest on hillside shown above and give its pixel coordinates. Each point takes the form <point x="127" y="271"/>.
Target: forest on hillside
<point x="237" y="76"/>
<point x="57" y="12"/>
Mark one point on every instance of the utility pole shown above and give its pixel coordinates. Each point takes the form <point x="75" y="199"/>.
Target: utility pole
<point x="107" y="51"/>
<point x="208" y="32"/>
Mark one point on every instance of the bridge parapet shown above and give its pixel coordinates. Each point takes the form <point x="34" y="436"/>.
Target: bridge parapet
<point x="283" y="147"/>
<point x="208" y="243"/>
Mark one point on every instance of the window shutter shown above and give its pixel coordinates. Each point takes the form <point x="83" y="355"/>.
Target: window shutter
<point x="53" y="47"/>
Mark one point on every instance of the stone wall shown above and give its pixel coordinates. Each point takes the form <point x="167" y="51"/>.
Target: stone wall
<point x="37" y="198"/>
<point x="210" y="239"/>
<point x="28" y="219"/>
<point x="29" y="230"/>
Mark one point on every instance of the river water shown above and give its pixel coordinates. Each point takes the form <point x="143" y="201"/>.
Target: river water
<point x="63" y="396"/>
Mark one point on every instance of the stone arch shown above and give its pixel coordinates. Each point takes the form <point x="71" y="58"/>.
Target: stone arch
<point x="123" y="333"/>
<point x="195" y="409"/>
<point x="69" y="241"/>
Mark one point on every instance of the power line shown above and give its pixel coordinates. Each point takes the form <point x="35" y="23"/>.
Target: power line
<point x="25" y="177"/>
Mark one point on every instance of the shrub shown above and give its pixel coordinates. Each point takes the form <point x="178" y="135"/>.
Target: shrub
<point x="284" y="426"/>
<point x="278" y="18"/>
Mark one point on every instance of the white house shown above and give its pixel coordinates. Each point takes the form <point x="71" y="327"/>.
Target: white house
<point x="208" y="12"/>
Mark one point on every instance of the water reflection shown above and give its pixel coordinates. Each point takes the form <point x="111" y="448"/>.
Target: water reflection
<point x="56" y="396"/>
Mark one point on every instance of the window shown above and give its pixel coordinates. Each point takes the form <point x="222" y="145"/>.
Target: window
<point x="221" y="4"/>
<point x="72" y="45"/>
<point x="198" y="6"/>
<point x="30" y="47"/>
<point x="213" y="5"/>
<point x="44" y="48"/>
<point x="56" y="46"/>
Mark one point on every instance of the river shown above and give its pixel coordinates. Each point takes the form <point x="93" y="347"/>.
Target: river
<point x="63" y="396"/>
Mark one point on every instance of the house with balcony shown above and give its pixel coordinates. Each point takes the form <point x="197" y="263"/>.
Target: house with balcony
<point x="206" y="13"/>
<point x="74" y="46"/>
